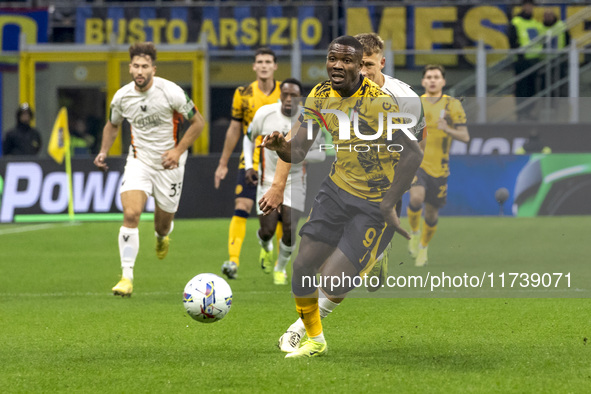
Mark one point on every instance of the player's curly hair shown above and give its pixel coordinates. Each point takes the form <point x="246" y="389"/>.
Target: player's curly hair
<point x="372" y="43"/>
<point x="143" y="49"/>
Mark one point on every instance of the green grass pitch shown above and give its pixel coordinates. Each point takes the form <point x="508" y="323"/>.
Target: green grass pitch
<point x="62" y="330"/>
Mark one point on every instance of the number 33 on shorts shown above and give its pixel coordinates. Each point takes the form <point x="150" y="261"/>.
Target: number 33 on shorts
<point x="175" y="188"/>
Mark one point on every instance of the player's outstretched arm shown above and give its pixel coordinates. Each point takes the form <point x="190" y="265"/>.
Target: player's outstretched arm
<point x="232" y="138"/>
<point x="273" y="198"/>
<point x="170" y="158"/>
<point x="289" y="150"/>
<point x="410" y="160"/>
<point x="109" y="134"/>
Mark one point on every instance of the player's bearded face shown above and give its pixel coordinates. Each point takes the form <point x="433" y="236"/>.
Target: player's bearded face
<point x="142" y="71"/>
<point x="372" y="66"/>
<point x="343" y="66"/>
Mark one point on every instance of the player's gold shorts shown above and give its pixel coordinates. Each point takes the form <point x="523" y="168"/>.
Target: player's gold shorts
<point x="435" y="188"/>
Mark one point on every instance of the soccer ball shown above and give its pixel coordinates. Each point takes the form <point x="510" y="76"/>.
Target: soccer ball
<point x="207" y="298"/>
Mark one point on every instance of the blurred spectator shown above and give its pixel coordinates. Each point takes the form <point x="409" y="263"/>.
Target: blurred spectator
<point x="80" y="140"/>
<point x="533" y="145"/>
<point x="522" y="31"/>
<point x="22" y="139"/>
<point x="560" y="39"/>
<point x="560" y="36"/>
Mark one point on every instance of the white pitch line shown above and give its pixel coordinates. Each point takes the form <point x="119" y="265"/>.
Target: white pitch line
<point x="353" y="295"/>
<point x="101" y="294"/>
<point x="35" y="227"/>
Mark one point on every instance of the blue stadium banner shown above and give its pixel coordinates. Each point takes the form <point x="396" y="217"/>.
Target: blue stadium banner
<point x="242" y="27"/>
<point x="32" y="22"/>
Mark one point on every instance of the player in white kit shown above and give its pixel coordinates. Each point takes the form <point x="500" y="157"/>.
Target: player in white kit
<point x="154" y="107"/>
<point x="408" y="102"/>
<point x="270" y="118"/>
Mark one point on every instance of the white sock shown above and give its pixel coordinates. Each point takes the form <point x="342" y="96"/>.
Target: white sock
<point x="129" y="245"/>
<point x="298" y="327"/>
<point x="267" y="245"/>
<point x="284" y="256"/>
<point x="325" y="305"/>
<point x="167" y="234"/>
<point x="319" y="338"/>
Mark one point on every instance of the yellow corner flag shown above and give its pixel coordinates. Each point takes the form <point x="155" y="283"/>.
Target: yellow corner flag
<point x="59" y="142"/>
<point x="59" y="147"/>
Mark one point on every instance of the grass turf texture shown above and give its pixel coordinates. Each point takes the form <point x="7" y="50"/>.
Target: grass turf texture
<point x="62" y="330"/>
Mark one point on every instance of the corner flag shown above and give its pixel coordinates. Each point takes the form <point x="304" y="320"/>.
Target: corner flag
<point x="59" y="147"/>
<point x="59" y="142"/>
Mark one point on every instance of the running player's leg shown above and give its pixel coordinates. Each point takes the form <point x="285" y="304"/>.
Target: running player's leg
<point x="286" y="243"/>
<point x="414" y="211"/>
<point x="133" y="202"/>
<point x="167" y="193"/>
<point x="429" y="229"/>
<point x="245" y="195"/>
<point x="311" y="255"/>
<point x="163" y="226"/>
<point x="242" y="209"/>
<point x="320" y="236"/>
<point x="268" y="224"/>
<point x="135" y="188"/>
<point x="435" y="199"/>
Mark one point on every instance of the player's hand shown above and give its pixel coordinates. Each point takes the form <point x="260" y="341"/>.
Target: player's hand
<point x="393" y="220"/>
<point x="273" y="141"/>
<point x="272" y="200"/>
<point x="442" y="124"/>
<point x="252" y="178"/>
<point x="220" y="174"/>
<point x="170" y="159"/>
<point x="100" y="162"/>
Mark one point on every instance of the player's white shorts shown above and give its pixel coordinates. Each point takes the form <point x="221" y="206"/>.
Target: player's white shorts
<point x="164" y="185"/>
<point x="293" y="197"/>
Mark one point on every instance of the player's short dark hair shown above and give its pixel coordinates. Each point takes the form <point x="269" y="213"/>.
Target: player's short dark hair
<point x="372" y="43"/>
<point x="430" y="67"/>
<point x="294" y="82"/>
<point x="265" y="51"/>
<point x="524" y="2"/>
<point x="349" y="41"/>
<point x="143" y="49"/>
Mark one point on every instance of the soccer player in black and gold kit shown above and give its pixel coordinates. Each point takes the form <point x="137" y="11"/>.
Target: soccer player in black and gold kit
<point x="354" y="210"/>
<point x="446" y="121"/>
<point x="247" y="100"/>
